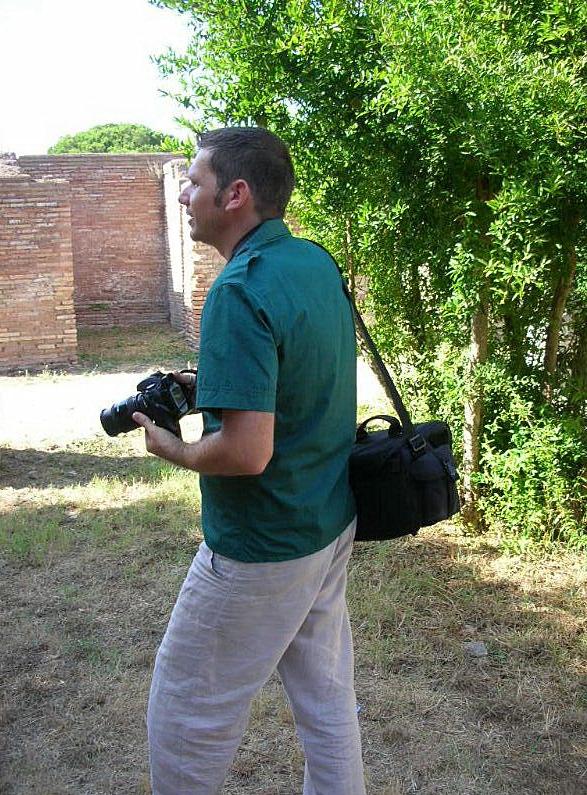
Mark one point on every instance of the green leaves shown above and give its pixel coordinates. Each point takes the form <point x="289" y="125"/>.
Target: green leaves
<point x="441" y="153"/>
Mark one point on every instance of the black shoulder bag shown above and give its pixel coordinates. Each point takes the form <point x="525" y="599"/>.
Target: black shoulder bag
<point x="404" y="477"/>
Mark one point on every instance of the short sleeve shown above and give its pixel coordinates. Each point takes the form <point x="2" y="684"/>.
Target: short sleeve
<point x="237" y="366"/>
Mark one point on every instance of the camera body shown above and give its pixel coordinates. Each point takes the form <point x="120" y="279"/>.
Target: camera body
<point x="161" y="396"/>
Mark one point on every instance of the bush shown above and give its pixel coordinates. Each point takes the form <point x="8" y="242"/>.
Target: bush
<point x="533" y="474"/>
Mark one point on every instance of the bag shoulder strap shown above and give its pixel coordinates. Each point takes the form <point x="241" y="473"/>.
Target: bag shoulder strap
<point x="391" y="389"/>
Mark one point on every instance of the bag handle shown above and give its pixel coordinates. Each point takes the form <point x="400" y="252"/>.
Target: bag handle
<point x="395" y="429"/>
<point x="390" y="388"/>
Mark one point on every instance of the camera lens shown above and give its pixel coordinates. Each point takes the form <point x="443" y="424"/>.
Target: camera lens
<point x="118" y="419"/>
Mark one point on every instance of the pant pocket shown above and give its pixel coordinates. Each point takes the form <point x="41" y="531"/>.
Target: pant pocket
<point x="218" y="566"/>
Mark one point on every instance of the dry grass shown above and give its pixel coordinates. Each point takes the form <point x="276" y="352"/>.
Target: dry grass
<point x="152" y="346"/>
<point x="93" y="550"/>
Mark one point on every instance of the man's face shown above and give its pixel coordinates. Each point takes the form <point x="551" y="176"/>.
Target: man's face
<point x="207" y="218"/>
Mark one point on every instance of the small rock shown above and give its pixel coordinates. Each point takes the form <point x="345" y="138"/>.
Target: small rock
<point x="475" y="648"/>
<point x="70" y="517"/>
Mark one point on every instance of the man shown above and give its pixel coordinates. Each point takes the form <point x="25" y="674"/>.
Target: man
<point x="266" y="590"/>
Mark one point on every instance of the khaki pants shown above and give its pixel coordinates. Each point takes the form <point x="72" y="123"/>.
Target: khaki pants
<point x="233" y="624"/>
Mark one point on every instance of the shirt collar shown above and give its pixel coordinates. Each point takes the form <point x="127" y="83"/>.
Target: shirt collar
<point x="263" y="233"/>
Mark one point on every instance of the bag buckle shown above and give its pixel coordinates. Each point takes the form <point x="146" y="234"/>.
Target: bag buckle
<point x="450" y="470"/>
<point x="417" y="443"/>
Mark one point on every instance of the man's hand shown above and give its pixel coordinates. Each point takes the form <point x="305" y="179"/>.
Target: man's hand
<point x="189" y="379"/>
<point x="160" y="441"/>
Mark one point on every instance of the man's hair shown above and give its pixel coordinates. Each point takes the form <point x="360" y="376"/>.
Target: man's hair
<point x="257" y="156"/>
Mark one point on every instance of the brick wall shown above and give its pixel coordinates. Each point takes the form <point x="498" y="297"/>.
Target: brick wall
<point x="192" y="266"/>
<point x="118" y="239"/>
<point x="206" y="265"/>
<point x="97" y="240"/>
<point x="37" y="318"/>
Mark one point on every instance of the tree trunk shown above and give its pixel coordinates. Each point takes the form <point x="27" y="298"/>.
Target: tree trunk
<point x="579" y="365"/>
<point x="515" y="342"/>
<point x="350" y="260"/>
<point x="559" y="302"/>
<point x="473" y="412"/>
<point x="473" y="399"/>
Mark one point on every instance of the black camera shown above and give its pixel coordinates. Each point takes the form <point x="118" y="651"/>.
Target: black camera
<point x="161" y="397"/>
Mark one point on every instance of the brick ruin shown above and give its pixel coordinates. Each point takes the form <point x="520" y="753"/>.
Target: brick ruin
<point x="91" y="241"/>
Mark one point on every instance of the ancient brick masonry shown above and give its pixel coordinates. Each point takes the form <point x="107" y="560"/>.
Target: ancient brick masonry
<point x="37" y="317"/>
<point x="192" y="267"/>
<point x="94" y="241"/>
<point x="119" y="249"/>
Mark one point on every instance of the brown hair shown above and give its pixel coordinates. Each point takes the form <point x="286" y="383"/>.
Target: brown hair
<point x="257" y="156"/>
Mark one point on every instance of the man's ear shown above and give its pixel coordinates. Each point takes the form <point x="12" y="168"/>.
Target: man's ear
<point x="238" y="194"/>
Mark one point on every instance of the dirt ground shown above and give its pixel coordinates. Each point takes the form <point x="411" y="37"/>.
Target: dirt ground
<point x="54" y="410"/>
<point x="83" y="609"/>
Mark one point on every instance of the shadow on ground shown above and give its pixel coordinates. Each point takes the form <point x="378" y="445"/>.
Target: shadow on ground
<point x="32" y="468"/>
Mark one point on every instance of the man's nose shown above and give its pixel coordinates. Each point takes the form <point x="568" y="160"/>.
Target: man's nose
<point x="183" y="199"/>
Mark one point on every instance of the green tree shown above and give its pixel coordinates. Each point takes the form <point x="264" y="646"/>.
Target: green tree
<point x="441" y="153"/>
<point x="116" y="138"/>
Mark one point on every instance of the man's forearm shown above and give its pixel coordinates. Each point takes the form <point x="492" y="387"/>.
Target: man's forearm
<point x="220" y="453"/>
<point x="243" y="445"/>
<point x="211" y="455"/>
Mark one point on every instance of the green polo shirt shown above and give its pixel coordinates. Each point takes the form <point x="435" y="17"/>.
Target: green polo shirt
<point x="277" y="335"/>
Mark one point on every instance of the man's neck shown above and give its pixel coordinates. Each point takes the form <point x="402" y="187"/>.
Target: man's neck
<point x="233" y="236"/>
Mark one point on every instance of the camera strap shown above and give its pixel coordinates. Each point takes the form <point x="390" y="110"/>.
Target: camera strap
<point x="390" y="387"/>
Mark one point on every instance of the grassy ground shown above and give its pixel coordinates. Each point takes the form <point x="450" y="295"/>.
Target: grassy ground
<point x="95" y="539"/>
<point x="114" y="349"/>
